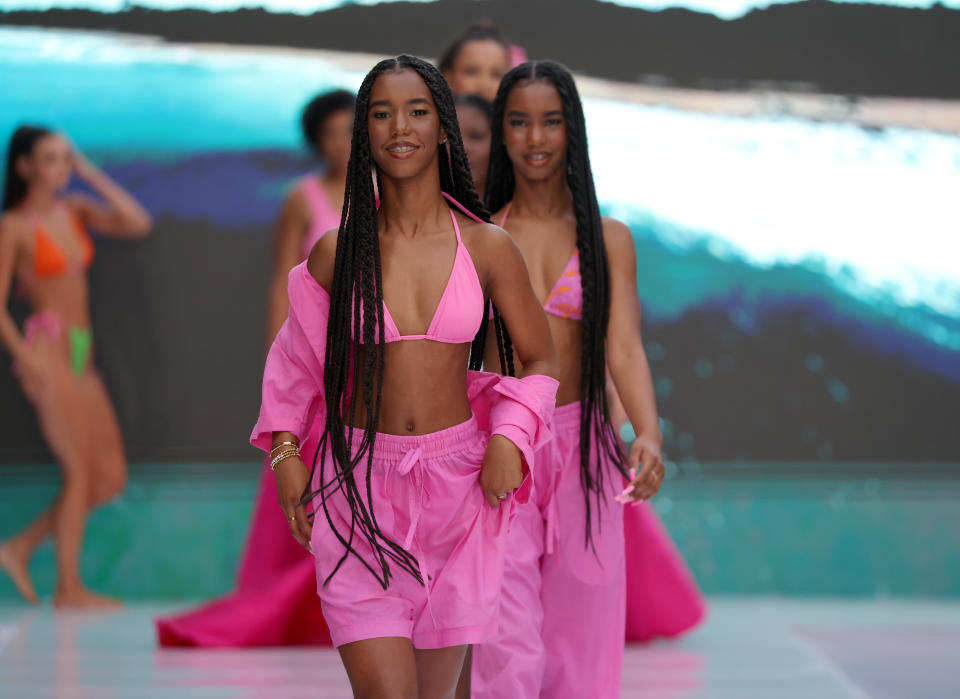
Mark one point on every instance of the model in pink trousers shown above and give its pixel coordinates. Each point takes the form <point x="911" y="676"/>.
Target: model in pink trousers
<point x="563" y="610"/>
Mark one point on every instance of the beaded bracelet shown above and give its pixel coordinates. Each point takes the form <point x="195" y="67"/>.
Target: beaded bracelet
<point x="283" y="455"/>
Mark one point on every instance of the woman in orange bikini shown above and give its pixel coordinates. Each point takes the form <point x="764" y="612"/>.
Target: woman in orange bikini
<point x="44" y="244"/>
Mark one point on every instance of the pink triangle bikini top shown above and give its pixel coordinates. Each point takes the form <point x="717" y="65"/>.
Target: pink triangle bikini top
<point x="460" y="310"/>
<point x="565" y="299"/>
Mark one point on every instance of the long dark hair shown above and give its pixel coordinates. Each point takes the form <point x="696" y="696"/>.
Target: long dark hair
<point x="22" y="142"/>
<point x="356" y="301"/>
<point x="595" y="426"/>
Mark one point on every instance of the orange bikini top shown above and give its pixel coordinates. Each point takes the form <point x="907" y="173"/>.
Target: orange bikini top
<point x="49" y="259"/>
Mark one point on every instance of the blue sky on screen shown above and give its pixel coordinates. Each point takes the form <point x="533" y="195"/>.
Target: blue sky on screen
<point x="727" y="9"/>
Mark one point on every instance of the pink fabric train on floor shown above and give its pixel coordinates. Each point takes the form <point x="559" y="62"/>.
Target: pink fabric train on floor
<point x="663" y="599"/>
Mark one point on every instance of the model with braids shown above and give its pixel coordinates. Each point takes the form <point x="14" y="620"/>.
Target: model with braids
<point x="562" y="623"/>
<point x="599" y="446"/>
<point x="412" y="494"/>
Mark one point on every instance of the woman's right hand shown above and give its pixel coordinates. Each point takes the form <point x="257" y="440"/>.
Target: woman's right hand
<point x="292" y="478"/>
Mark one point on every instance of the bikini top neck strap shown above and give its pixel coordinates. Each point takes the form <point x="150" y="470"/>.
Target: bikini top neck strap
<point x="456" y="228"/>
<point x="464" y="210"/>
<point x="506" y="212"/>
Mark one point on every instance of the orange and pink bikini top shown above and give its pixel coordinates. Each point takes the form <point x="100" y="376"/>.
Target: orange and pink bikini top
<point x="460" y="311"/>
<point x="565" y="299"/>
<point x="49" y="258"/>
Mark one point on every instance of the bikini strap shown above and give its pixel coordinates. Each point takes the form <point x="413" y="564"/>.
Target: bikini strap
<point x="506" y="212"/>
<point x="456" y="228"/>
<point x="466" y="212"/>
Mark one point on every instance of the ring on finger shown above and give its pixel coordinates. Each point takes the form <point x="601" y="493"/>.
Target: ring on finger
<point x="501" y="496"/>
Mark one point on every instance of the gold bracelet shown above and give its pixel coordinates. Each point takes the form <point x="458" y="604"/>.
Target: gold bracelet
<point x="284" y="444"/>
<point x="280" y="457"/>
<point x="286" y="452"/>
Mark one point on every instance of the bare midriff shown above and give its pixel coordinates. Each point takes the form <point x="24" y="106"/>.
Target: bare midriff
<point x="67" y="295"/>
<point x="424" y="389"/>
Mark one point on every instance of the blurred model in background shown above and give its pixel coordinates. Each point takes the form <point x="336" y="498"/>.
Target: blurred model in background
<point x="476" y="61"/>
<point x="313" y="206"/>
<point x="473" y="114"/>
<point x="45" y="247"/>
<point x="275" y="602"/>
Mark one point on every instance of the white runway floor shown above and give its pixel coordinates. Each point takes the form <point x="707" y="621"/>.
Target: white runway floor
<point x="748" y="649"/>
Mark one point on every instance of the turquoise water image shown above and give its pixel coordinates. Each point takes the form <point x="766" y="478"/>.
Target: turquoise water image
<point x="871" y="211"/>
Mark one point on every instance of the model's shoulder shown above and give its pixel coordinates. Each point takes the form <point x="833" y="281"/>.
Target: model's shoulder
<point x="322" y="258"/>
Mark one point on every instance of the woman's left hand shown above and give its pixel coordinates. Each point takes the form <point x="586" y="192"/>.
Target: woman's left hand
<point x="502" y="470"/>
<point x="646" y="468"/>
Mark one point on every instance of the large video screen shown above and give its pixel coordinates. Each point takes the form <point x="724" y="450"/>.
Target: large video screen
<point x="797" y="248"/>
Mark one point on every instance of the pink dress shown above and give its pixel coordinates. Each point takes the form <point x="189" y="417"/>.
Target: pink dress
<point x="323" y="215"/>
<point x="275" y="602"/>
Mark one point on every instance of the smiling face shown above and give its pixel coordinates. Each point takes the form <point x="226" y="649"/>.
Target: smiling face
<point x="535" y="131"/>
<point x="404" y="125"/>
<point x="49" y="165"/>
<point x="478" y="68"/>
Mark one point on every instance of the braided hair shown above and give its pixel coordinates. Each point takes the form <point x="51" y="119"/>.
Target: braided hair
<point x="356" y="302"/>
<point x="595" y="425"/>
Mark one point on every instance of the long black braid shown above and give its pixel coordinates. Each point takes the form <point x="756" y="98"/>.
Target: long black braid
<point x="595" y="423"/>
<point x="356" y="301"/>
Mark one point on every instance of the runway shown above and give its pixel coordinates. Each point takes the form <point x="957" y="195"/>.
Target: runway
<point x="764" y="648"/>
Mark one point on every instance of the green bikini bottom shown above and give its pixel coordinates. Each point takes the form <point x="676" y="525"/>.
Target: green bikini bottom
<point x="81" y="346"/>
